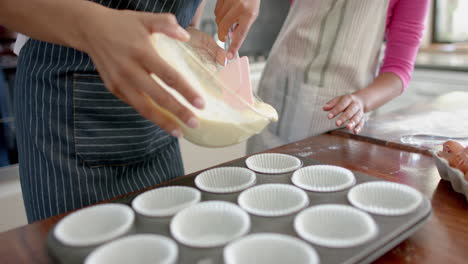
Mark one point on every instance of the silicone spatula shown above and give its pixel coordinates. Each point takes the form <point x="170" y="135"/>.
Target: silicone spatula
<point x="236" y="78"/>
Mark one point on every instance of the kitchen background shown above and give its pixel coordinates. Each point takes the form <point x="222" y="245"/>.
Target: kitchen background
<point x="441" y="75"/>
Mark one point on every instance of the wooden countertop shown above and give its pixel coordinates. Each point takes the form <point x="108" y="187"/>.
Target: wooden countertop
<point x="443" y="239"/>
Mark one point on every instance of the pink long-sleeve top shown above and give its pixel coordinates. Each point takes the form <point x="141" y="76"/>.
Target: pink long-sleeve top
<point x="404" y="30"/>
<point x="403" y="33"/>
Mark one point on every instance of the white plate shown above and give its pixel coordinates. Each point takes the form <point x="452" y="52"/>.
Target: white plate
<point x="210" y="224"/>
<point x="335" y="226"/>
<point x="165" y="201"/>
<point x="273" y="199"/>
<point x="141" y="249"/>
<point x="274" y="163"/>
<point x="94" y="225"/>
<point x="385" y="198"/>
<point x="323" y="178"/>
<point x="269" y="248"/>
<point x="225" y="180"/>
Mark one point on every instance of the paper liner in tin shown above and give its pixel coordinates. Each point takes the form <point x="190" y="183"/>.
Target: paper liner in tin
<point x="165" y="201"/>
<point x="225" y="179"/>
<point x="273" y="200"/>
<point x="141" y="249"/>
<point x="323" y="178"/>
<point x="274" y="163"/>
<point x="94" y="225"/>
<point x="210" y="224"/>
<point x="385" y="198"/>
<point x="335" y="226"/>
<point x="269" y="248"/>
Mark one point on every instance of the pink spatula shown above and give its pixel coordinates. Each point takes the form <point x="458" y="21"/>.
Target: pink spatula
<point x="236" y="78"/>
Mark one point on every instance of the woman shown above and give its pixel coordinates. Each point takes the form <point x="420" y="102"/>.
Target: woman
<point x="85" y="101"/>
<point x="324" y="65"/>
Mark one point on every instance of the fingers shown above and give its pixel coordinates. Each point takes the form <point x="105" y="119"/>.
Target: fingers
<point x="146" y="108"/>
<point x="147" y="86"/>
<point x="221" y="56"/>
<point x="341" y="105"/>
<point x="219" y="6"/>
<point x="238" y="38"/>
<point x="154" y="64"/>
<point x="347" y="115"/>
<point x="224" y="9"/>
<point x="208" y="44"/>
<point x="225" y="22"/>
<point x="330" y="104"/>
<point x="244" y="12"/>
<point x="360" y="125"/>
<point x="354" y="121"/>
<point x="166" y="24"/>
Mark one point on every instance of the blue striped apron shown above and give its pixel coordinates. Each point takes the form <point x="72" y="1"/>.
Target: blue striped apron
<point x="78" y="144"/>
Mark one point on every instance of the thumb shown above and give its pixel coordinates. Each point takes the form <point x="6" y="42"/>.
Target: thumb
<point x="166" y="24"/>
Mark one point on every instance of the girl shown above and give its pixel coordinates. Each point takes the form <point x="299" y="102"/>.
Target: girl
<point x="324" y="65"/>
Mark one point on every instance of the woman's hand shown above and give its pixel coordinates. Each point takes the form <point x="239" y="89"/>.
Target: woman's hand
<point x="118" y="42"/>
<point x="351" y="107"/>
<point x="228" y="12"/>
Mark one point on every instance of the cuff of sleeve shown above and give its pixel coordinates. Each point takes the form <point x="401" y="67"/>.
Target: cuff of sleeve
<point x="404" y="77"/>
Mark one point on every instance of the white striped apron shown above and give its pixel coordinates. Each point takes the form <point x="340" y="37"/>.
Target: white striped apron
<point x="325" y="49"/>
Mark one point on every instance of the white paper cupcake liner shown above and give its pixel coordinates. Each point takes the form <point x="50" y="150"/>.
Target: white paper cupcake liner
<point x="273" y="200"/>
<point x="385" y="198"/>
<point x="225" y="180"/>
<point x="323" y="178"/>
<point x="141" y="249"/>
<point x="269" y="248"/>
<point x="455" y="176"/>
<point x="165" y="201"/>
<point x="94" y="225"/>
<point x="335" y="226"/>
<point x="273" y="163"/>
<point x="210" y="224"/>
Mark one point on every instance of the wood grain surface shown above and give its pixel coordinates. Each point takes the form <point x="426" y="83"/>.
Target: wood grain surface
<point x="443" y="239"/>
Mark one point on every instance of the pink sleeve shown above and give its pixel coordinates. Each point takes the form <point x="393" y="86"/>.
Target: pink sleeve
<point x="404" y="32"/>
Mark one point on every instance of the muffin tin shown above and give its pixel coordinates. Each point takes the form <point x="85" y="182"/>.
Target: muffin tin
<point x="453" y="175"/>
<point x="380" y="233"/>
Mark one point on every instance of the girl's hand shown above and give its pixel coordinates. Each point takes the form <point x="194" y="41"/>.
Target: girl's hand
<point x="118" y="42"/>
<point x="351" y="108"/>
<point x="228" y="12"/>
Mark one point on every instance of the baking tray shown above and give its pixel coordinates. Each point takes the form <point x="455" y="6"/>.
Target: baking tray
<point x="392" y="229"/>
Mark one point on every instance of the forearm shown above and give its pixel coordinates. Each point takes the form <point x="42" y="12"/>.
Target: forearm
<point x="383" y="89"/>
<point x="56" y="21"/>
